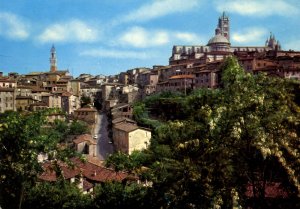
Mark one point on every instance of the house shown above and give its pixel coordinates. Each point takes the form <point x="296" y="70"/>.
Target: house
<point x="87" y="114"/>
<point x="24" y="102"/>
<point x="122" y="120"/>
<point x="7" y="99"/>
<point x="69" y="102"/>
<point x="52" y="100"/>
<point x="85" y="144"/>
<point x="84" y="174"/>
<point x="51" y="117"/>
<point x="128" y="137"/>
<point x="38" y="106"/>
<point x="122" y="110"/>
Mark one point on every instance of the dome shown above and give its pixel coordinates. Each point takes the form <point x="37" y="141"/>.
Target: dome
<point x="218" y="39"/>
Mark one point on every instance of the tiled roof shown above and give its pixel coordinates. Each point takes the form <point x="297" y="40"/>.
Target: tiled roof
<point x="272" y="190"/>
<point x="87" y="185"/>
<point x="122" y="119"/>
<point x="49" y="173"/>
<point x="127" y="127"/>
<point x="98" y="173"/>
<point x="84" y="138"/>
<point x="89" y="170"/>
<point x="182" y="77"/>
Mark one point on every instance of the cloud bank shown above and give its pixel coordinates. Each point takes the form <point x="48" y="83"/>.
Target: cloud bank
<point x="257" y="8"/>
<point x="70" y="31"/>
<point x="13" y="26"/>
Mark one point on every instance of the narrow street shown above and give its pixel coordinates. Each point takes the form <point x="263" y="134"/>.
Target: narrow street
<point x="104" y="148"/>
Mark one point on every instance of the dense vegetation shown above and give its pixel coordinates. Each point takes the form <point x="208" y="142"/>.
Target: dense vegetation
<point x="215" y="148"/>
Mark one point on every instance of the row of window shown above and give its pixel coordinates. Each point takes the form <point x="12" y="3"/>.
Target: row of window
<point x="82" y="113"/>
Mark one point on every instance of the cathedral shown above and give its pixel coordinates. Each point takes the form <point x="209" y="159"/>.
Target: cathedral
<point x="218" y="47"/>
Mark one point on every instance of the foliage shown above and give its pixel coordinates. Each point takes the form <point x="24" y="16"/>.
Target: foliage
<point x="56" y="195"/>
<point x="22" y="138"/>
<point x="117" y="195"/>
<point x="78" y="127"/>
<point x="121" y="161"/>
<point x="85" y="100"/>
<point x="245" y="133"/>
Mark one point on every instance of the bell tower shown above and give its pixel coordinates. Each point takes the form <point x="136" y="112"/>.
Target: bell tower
<point x="53" y="60"/>
<point x="223" y="26"/>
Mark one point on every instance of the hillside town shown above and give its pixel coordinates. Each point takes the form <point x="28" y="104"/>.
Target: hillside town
<point x="105" y="102"/>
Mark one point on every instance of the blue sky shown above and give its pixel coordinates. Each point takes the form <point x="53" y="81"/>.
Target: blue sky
<point x="111" y="36"/>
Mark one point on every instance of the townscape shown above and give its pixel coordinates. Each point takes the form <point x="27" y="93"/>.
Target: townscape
<point x="107" y="105"/>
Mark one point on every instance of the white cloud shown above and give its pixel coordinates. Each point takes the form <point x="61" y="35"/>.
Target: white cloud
<point x="13" y="27"/>
<point x="159" y="8"/>
<point x="141" y="38"/>
<point x="186" y="37"/>
<point x="250" y="35"/>
<point x="257" y="7"/>
<point x="71" y="31"/>
<point x="112" y="53"/>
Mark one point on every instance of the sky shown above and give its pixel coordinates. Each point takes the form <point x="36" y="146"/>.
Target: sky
<point x="112" y="36"/>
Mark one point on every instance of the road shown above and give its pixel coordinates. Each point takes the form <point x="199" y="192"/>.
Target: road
<point x="104" y="148"/>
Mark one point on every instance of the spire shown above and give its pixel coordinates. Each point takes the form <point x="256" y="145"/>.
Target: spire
<point x="223" y="26"/>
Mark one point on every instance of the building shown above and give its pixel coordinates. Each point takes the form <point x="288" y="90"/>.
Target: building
<point x="52" y="100"/>
<point x="85" y="144"/>
<point x="7" y="99"/>
<point x="69" y="102"/>
<point x="24" y="102"/>
<point x="53" y="60"/>
<point x="86" y="175"/>
<point x="87" y="114"/>
<point x="128" y="137"/>
<point x="218" y="47"/>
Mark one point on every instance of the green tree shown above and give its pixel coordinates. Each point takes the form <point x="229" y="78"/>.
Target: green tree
<point x="22" y="137"/>
<point x="20" y="143"/>
<point x="78" y="127"/>
<point x="56" y="195"/>
<point x="85" y="100"/>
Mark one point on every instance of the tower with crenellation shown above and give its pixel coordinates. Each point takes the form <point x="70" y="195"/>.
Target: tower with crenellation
<point x="53" y="60"/>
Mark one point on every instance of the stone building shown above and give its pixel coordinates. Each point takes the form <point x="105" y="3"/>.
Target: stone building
<point x="128" y="137"/>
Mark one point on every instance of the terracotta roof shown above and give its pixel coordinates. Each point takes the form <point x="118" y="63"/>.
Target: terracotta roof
<point x="49" y="173"/>
<point x="272" y="190"/>
<point x="84" y="138"/>
<point x="122" y="119"/>
<point x="182" y="77"/>
<point x="98" y="173"/>
<point x="88" y="170"/>
<point x="7" y="81"/>
<point x="87" y="185"/>
<point x="127" y="127"/>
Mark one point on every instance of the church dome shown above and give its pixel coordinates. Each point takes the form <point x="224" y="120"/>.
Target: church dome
<point x="218" y="39"/>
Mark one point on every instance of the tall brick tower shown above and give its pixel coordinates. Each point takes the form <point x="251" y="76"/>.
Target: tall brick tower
<point x="53" y="64"/>
<point x="223" y="26"/>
